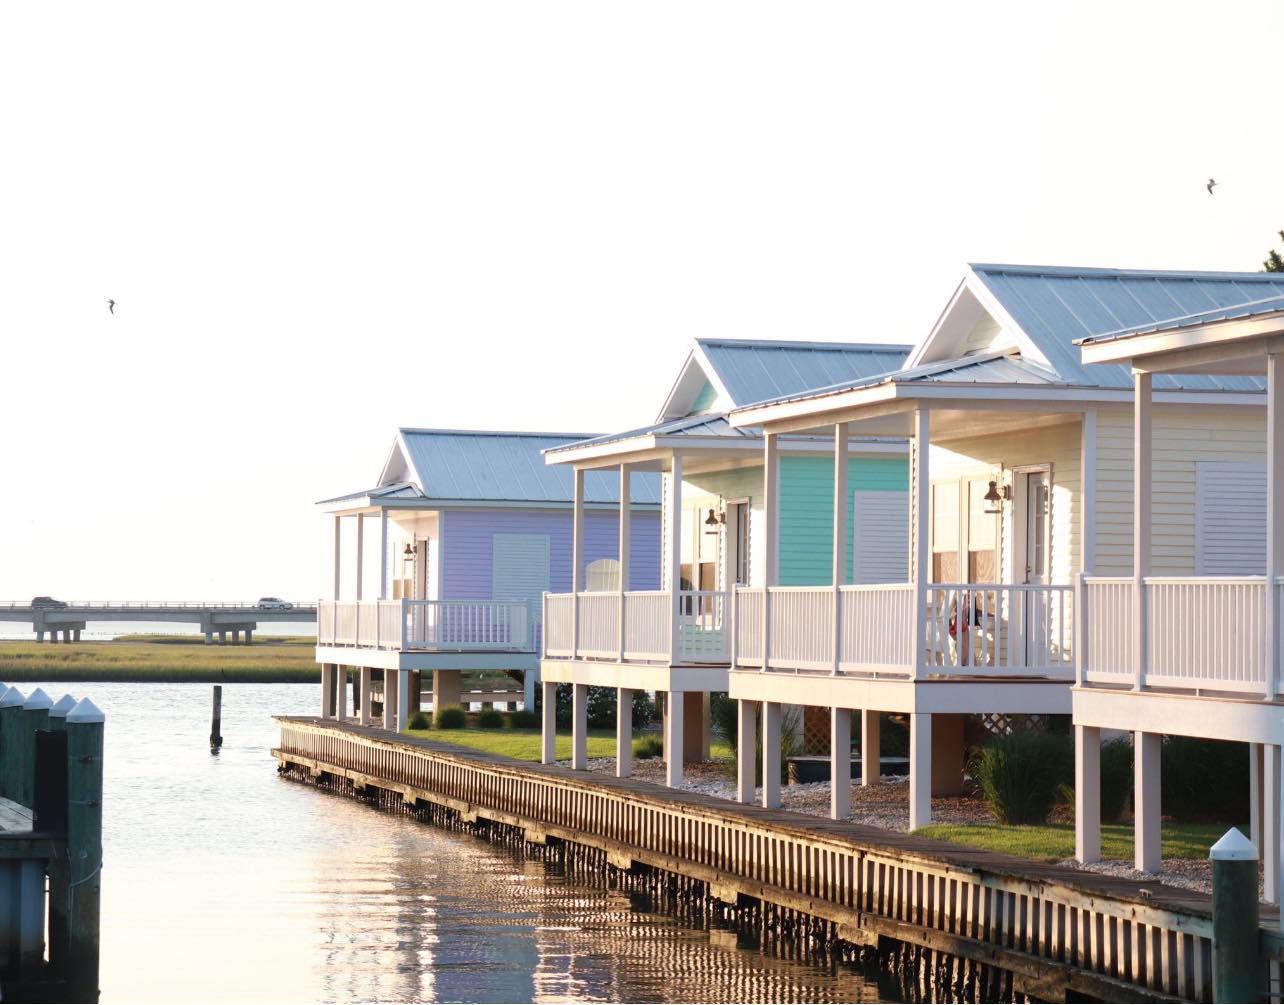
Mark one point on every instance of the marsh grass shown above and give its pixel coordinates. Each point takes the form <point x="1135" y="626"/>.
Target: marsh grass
<point x="160" y="658"/>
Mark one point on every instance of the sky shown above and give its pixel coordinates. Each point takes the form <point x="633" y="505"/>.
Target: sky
<point x="322" y="221"/>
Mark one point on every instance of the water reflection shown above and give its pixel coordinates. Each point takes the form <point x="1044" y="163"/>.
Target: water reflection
<point x="223" y="882"/>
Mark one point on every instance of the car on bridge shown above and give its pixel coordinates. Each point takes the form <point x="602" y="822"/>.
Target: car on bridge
<point x="274" y="604"/>
<point x="48" y="603"/>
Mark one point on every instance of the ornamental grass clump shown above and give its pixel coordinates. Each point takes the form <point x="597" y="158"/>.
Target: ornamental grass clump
<point x="646" y="748"/>
<point x="1021" y="776"/>
<point x="452" y="717"/>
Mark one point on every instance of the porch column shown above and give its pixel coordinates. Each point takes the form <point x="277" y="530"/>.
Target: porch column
<point x="364" y="692"/>
<point x="920" y="786"/>
<point x="577" y="559"/>
<point x="327" y="687"/>
<point x="361" y="548"/>
<point x="673" y="508"/>
<point x="340" y="692"/>
<point x="383" y="553"/>
<point x="1088" y="492"/>
<point x="403" y="699"/>
<point x="673" y="730"/>
<point x="921" y="571"/>
<point x="746" y="749"/>
<point x="626" y="516"/>
<point x="1146" y="754"/>
<point x="548" y="723"/>
<point x="1274" y="518"/>
<point x="623" y="732"/>
<point x="871" y="748"/>
<point x="771" y="755"/>
<point x="1272" y="830"/>
<point x="579" y="727"/>
<point x="841" y="431"/>
<point x="1141" y="544"/>
<point x="390" y="700"/>
<point x="771" y="545"/>
<point x="840" y="763"/>
<point x="338" y="541"/>
<point x="1087" y="794"/>
<point x="1255" y="769"/>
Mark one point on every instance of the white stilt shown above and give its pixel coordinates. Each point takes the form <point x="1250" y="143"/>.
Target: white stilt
<point x="673" y="723"/>
<point x="341" y="693"/>
<point x="840" y="763"/>
<point x="746" y="749"/>
<point x="390" y="700"/>
<point x="771" y="755"/>
<point x="1087" y="788"/>
<point x="920" y="794"/>
<point x="548" y="723"/>
<point x="363" y="687"/>
<point x="871" y="748"/>
<point x="623" y="732"/>
<point x="403" y="699"/>
<point x="579" y="727"/>
<point x="327" y="688"/>
<point x="1147" y="751"/>
<point x="1272" y="830"/>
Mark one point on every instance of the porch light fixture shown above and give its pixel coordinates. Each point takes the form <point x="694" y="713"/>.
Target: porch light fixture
<point x="996" y="497"/>
<point x="712" y="520"/>
<point x="409" y="553"/>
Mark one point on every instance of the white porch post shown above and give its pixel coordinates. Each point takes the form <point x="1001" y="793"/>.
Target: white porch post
<point x="548" y="723"/>
<point x="1274" y="518"/>
<point x="338" y="541"/>
<point x="579" y="727"/>
<point x="577" y="560"/>
<point x="623" y="732"/>
<point x="674" y="506"/>
<point x="771" y="754"/>
<point x="341" y="692"/>
<point x="1087" y="789"/>
<point x="840" y="763"/>
<point x="841" y="431"/>
<point x="390" y="700"/>
<point x="871" y="748"/>
<point x="920" y="794"/>
<point x="361" y="545"/>
<point x="383" y="553"/>
<point x="1088" y="492"/>
<point x="1141" y="545"/>
<point x="1147" y="753"/>
<point x="674" y="721"/>
<point x="1272" y="830"/>
<point x="1255" y="768"/>
<point x="327" y="688"/>
<point x="770" y="559"/>
<point x="403" y="700"/>
<point x="626" y="517"/>
<point x="363" y="688"/>
<point x="746" y="749"/>
<point x="922" y="544"/>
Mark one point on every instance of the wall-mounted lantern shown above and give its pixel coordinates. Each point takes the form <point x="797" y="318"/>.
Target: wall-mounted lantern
<point x="995" y="497"/>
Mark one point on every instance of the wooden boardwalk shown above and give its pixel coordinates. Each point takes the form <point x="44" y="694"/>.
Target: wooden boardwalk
<point x="1058" y="930"/>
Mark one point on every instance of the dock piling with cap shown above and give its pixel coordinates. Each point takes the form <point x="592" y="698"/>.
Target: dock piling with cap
<point x="216" y="720"/>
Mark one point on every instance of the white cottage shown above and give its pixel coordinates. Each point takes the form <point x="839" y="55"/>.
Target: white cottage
<point x="1021" y="483"/>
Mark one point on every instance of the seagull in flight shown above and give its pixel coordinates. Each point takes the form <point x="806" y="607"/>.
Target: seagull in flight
<point x="1210" y="185"/>
<point x="111" y="304"/>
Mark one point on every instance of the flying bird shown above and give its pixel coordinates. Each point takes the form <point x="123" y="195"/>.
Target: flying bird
<point x="111" y="304"/>
<point x="1210" y="185"/>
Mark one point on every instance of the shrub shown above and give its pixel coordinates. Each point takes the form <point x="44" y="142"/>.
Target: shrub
<point x="1116" y="778"/>
<point x="723" y="718"/>
<point x="645" y="748"/>
<point x="1204" y="780"/>
<point x="526" y="718"/>
<point x="601" y="707"/>
<point x="489" y="718"/>
<point x="452" y="717"/>
<point x="1022" y="775"/>
<point x="419" y="721"/>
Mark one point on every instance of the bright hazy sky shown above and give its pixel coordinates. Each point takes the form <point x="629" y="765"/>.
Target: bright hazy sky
<point x="322" y="221"/>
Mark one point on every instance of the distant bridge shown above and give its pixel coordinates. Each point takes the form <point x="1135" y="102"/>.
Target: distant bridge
<point x="237" y="620"/>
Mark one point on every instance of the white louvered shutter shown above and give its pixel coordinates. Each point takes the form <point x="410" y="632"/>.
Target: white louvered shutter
<point x="1230" y="518"/>
<point x="880" y="537"/>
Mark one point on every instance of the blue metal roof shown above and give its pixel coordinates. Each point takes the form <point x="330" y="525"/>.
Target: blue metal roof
<point x="754" y="371"/>
<point x="1251" y="309"/>
<point x="481" y="466"/>
<point x="711" y="424"/>
<point x="1056" y="306"/>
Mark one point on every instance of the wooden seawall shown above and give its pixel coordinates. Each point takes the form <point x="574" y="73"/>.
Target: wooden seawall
<point x="1058" y="932"/>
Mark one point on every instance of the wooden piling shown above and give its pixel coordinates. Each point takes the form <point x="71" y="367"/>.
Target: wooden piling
<point x="58" y="713"/>
<point x="84" y="847"/>
<point x="49" y="816"/>
<point x="1236" y="972"/>
<point x="11" y="703"/>
<point x="216" y="720"/>
<point x="35" y="716"/>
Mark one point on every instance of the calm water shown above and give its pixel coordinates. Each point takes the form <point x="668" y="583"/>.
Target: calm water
<point x="222" y="882"/>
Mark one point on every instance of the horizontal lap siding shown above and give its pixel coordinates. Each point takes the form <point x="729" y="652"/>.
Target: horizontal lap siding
<point x="1181" y="438"/>
<point x="468" y="542"/>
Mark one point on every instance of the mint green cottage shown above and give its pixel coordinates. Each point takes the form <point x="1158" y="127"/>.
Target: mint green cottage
<point x="678" y="640"/>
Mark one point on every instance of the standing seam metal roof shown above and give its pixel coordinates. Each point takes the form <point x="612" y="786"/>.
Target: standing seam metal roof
<point x="754" y="371"/>
<point x="507" y="467"/>
<point x="1251" y="309"/>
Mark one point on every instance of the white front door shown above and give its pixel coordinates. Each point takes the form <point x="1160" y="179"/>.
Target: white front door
<point x="1037" y="609"/>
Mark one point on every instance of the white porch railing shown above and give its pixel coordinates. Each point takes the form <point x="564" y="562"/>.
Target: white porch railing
<point x="1203" y="633"/>
<point x="447" y="625"/>
<point x="972" y="629"/>
<point x="646" y="620"/>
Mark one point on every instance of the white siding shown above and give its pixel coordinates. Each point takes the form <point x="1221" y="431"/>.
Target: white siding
<point x="881" y="535"/>
<point x="1230" y="518"/>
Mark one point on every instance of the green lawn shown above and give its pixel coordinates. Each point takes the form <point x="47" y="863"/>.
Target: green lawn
<point x="160" y="658"/>
<point x="524" y="744"/>
<point x="1055" y="842"/>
